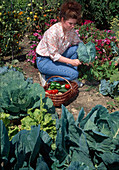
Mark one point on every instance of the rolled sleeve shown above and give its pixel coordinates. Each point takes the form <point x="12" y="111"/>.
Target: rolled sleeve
<point x="55" y="57"/>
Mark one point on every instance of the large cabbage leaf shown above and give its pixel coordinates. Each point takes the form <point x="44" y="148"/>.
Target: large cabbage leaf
<point x="27" y="144"/>
<point x="17" y="94"/>
<point x="102" y="134"/>
<point x="4" y="144"/>
<point x="86" y="52"/>
<point x="71" y="143"/>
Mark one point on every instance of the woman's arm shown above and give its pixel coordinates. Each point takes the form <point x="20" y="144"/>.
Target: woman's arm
<point x="74" y="62"/>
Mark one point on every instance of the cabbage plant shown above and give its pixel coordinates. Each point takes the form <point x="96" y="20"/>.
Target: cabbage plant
<point x="86" y="52"/>
<point x="17" y="95"/>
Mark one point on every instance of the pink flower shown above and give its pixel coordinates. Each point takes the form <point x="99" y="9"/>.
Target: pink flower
<point x="36" y="34"/>
<point x="39" y="37"/>
<point x="53" y="20"/>
<point x="97" y="48"/>
<point x="99" y="42"/>
<point x="87" y="22"/>
<point x="108" y="31"/>
<point x="103" y="50"/>
<point x="96" y="57"/>
<point x="28" y="60"/>
<point x="33" y="45"/>
<point x="77" y="31"/>
<point x="100" y="52"/>
<point x="33" y="61"/>
<point x="39" y="31"/>
<point x="47" y="24"/>
<point x="107" y="41"/>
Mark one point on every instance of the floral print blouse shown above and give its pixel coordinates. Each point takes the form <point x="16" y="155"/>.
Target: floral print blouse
<point x="54" y="42"/>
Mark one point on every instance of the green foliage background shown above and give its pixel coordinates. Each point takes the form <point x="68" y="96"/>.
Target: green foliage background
<point x="101" y="11"/>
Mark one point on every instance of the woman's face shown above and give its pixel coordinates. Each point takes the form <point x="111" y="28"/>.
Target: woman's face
<point x="68" y="24"/>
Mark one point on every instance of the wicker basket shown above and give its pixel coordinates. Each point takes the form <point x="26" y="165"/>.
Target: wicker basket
<point x="63" y="98"/>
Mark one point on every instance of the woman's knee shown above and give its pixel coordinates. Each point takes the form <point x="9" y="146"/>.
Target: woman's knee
<point x="74" y="74"/>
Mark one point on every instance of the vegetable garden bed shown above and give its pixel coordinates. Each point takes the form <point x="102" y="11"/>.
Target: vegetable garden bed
<point x="84" y="134"/>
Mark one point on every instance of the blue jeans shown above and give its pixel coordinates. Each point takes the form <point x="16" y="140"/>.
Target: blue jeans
<point x="50" y="68"/>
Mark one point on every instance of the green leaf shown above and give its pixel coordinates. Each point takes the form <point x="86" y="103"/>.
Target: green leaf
<point x="4" y="144"/>
<point x="86" y="52"/>
<point x="71" y="142"/>
<point x="26" y="142"/>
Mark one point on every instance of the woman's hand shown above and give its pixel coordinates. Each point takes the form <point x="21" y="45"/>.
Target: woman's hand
<point x="76" y="62"/>
<point x="73" y="62"/>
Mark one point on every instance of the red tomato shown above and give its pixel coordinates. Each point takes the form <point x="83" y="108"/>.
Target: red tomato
<point x="56" y="91"/>
<point x="53" y="92"/>
<point x="49" y="91"/>
<point x="67" y="86"/>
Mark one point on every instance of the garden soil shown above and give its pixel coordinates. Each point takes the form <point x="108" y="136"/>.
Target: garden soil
<point x="88" y="96"/>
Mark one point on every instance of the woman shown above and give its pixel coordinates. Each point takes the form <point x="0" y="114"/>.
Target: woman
<point x="56" y="52"/>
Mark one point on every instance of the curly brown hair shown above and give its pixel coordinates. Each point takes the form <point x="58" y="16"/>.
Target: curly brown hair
<point x="71" y="9"/>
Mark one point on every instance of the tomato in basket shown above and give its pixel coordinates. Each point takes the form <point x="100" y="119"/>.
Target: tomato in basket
<point x="54" y="91"/>
<point x="67" y="86"/>
<point x="49" y="91"/>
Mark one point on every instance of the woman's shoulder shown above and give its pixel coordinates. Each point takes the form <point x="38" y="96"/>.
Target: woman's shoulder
<point x="55" y="27"/>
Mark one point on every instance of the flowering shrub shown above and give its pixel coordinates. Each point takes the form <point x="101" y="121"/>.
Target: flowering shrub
<point x="104" y="65"/>
<point x="12" y="30"/>
<point x="17" y="17"/>
<point x="38" y="15"/>
<point x="31" y="56"/>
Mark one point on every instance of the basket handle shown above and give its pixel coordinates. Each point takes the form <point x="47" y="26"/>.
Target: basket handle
<point x="59" y="77"/>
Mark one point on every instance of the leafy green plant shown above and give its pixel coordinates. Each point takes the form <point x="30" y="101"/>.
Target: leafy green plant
<point x="42" y="117"/>
<point x="86" y="53"/>
<point x="108" y="88"/>
<point x="12" y="128"/>
<point x="87" y="143"/>
<point x="103" y="71"/>
<point x="115" y="26"/>
<point x="34" y="117"/>
<point x="114" y="77"/>
<point x="91" y="141"/>
<point x="102" y="12"/>
<point x="17" y="95"/>
<point x="106" y="59"/>
<point x="28" y="149"/>
<point x="111" y="106"/>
